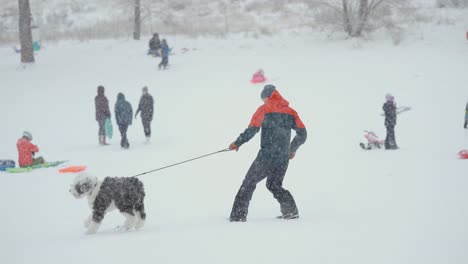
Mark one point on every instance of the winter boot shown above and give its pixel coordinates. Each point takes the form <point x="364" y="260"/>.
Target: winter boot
<point x="103" y="140"/>
<point x="288" y="216"/>
<point x="237" y="219"/>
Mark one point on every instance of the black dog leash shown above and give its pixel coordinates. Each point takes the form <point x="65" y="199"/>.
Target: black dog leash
<point x="185" y="161"/>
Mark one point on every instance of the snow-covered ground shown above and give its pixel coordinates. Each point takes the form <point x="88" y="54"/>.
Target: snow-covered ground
<point x="405" y="206"/>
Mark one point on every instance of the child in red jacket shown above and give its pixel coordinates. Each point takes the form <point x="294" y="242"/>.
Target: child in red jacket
<point x="26" y="151"/>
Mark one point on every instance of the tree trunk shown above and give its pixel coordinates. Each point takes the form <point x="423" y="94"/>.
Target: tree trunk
<point x="346" y="19"/>
<point x="137" y="24"/>
<point x="25" y="34"/>
<point x="363" y="15"/>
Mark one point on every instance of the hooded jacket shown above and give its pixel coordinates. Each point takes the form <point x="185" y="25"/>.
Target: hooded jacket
<point x="276" y="120"/>
<point x="389" y="109"/>
<point x="102" y="106"/>
<point x="25" y="150"/>
<point x="123" y="111"/>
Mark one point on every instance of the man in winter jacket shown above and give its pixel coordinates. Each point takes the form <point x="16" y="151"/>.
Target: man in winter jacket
<point x="124" y="116"/>
<point x="389" y="109"/>
<point x="154" y="45"/>
<point x="146" y="106"/>
<point x="26" y="151"/>
<point x="102" y="113"/>
<point x="276" y="120"/>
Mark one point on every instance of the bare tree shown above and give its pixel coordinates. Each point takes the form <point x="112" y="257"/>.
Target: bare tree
<point x="355" y="13"/>
<point x="25" y="34"/>
<point x="137" y="23"/>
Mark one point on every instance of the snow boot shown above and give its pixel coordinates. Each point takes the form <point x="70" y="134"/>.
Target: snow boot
<point x="289" y="216"/>
<point x="237" y="219"/>
<point x="102" y="141"/>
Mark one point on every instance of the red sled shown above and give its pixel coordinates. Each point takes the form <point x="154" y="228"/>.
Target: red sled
<point x="258" y="77"/>
<point x="463" y="154"/>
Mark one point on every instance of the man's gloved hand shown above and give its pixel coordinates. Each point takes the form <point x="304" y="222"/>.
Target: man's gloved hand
<point x="233" y="147"/>
<point x="292" y="155"/>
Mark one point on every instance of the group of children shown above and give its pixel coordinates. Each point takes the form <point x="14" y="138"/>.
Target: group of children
<point x="123" y="114"/>
<point x="159" y="48"/>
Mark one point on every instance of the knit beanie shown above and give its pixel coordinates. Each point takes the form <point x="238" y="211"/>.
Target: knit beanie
<point x="267" y="91"/>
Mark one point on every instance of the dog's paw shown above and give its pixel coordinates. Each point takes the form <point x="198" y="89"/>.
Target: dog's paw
<point x="87" y="222"/>
<point x="90" y="231"/>
<point x="139" y="224"/>
<point x="121" y="228"/>
<point x="92" y="228"/>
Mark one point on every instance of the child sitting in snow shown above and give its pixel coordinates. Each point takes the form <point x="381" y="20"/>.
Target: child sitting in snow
<point x="26" y="151"/>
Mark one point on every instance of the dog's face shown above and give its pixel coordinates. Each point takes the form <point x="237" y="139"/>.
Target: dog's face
<point x="82" y="185"/>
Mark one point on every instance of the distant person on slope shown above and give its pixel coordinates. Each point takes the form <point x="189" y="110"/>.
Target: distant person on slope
<point x="154" y="45"/>
<point x="123" y="116"/>
<point x="27" y="150"/>
<point x="102" y="113"/>
<point x="276" y="120"/>
<point x="389" y="109"/>
<point x="466" y="116"/>
<point x="146" y="106"/>
<point x="165" y="55"/>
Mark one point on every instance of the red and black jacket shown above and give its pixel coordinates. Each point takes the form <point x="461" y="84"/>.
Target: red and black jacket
<point x="276" y="119"/>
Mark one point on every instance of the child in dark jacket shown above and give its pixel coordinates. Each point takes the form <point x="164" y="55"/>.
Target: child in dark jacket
<point x="164" y="54"/>
<point x="123" y="116"/>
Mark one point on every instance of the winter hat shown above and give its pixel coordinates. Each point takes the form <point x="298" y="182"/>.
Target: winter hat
<point x="120" y="96"/>
<point x="100" y="89"/>
<point x="267" y="91"/>
<point x="145" y="89"/>
<point x="27" y="135"/>
<point x="389" y="97"/>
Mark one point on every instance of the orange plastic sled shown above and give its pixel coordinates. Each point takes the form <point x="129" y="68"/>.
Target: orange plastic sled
<point x="72" y="169"/>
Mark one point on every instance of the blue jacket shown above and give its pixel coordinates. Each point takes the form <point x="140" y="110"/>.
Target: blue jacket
<point x="123" y="111"/>
<point x="165" y="50"/>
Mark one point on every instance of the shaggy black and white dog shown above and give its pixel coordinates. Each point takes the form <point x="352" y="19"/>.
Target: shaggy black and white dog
<point x="125" y="194"/>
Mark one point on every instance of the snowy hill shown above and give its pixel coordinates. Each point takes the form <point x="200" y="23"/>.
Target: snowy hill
<point x="406" y="206"/>
<point x="90" y="19"/>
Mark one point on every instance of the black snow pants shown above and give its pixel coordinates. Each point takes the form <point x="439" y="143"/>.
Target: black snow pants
<point x="259" y="170"/>
<point x="390" y="142"/>
<point x="123" y="132"/>
<point x="164" y="62"/>
<point x="146" y="127"/>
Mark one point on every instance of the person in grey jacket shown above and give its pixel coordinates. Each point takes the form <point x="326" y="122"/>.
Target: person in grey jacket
<point x="389" y="109"/>
<point x="466" y="116"/>
<point x="146" y="107"/>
